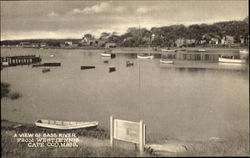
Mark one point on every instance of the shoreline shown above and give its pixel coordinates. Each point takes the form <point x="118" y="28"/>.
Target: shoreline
<point x="97" y="142"/>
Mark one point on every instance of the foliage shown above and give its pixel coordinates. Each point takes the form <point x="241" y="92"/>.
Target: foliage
<point x="163" y="36"/>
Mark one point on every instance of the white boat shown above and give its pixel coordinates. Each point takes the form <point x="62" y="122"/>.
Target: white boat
<point x="201" y="50"/>
<point x="54" y="124"/>
<point x="5" y="63"/>
<point x="165" y="61"/>
<point x="168" y="50"/>
<point x="227" y="60"/>
<point x="106" y="54"/>
<point x="145" y="56"/>
<point x="245" y="51"/>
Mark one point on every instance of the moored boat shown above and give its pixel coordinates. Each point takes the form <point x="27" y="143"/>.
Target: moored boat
<point x="87" y="67"/>
<point x="227" y="60"/>
<point x="145" y="56"/>
<point x="165" y="61"/>
<point x="106" y="54"/>
<point x="168" y="50"/>
<point x="64" y="125"/>
<point x="45" y="70"/>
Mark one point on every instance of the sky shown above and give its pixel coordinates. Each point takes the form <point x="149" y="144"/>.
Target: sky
<point x="73" y="19"/>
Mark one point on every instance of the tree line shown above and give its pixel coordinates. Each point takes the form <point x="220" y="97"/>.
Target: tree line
<point x="161" y="36"/>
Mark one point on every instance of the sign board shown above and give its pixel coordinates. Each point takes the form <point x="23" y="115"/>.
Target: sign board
<point x="133" y="132"/>
<point x="127" y="131"/>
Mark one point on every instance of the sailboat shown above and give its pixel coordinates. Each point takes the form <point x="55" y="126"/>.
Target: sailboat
<point x="146" y="55"/>
<point x="166" y="61"/>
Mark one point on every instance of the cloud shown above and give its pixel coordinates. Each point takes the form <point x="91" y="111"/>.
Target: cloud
<point x="120" y="9"/>
<point x="52" y="14"/>
<point x="99" y="8"/>
<point x="143" y="10"/>
<point x="104" y="7"/>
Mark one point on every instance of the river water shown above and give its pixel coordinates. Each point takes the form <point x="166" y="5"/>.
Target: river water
<point x="207" y="100"/>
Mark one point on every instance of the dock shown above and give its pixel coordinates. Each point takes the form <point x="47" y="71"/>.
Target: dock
<point x="20" y="60"/>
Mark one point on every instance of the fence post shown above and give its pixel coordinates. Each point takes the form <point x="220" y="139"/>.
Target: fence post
<point x="142" y="138"/>
<point x="111" y="131"/>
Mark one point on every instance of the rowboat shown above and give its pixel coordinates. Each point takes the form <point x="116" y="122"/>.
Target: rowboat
<point x="112" y="69"/>
<point x="201" y="50"/>
<point x="45" y="70"/>
<point x="145" y="56"/>
<point x="106" y="54"/>
<point x="164" y="61"/>
<point x="129" y="63"/>
<point x="168" y="50"/>
<point x="235" y="61"/>
<point x="87" y="67"/>
<point x="64" y="125"/>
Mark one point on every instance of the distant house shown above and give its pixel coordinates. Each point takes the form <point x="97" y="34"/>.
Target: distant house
<point x="180" y="42"/>
<point x="214" y="40"/>
<point x="189" y="42"/>
<point x="89" y="41"/>
<point x="227" y="41"/>
<point x="68" y="43"/>
<point x="110" y="45"/>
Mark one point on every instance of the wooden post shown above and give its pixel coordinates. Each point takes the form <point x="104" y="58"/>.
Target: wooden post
<point x="142" y="139"/>
<point x="111" y="131"/>
<point x="144" y="129"/>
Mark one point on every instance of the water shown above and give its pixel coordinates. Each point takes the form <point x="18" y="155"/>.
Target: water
<point x="177" y="101"/>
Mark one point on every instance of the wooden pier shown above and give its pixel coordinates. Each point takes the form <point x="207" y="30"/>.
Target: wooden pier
<point x="20" y="60"/>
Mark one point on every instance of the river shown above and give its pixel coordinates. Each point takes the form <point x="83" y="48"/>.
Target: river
<point x="206" y="100"/>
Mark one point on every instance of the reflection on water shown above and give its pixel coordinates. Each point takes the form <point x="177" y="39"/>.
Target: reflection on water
<point x="187" y="100"/>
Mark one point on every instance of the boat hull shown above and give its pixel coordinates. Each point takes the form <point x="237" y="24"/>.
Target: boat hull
<point x="64" y="125"/>
<point x="105" y="55"/>
<point x="166" y="61"/>
<point x="145" y="57"/>
<point x="235" y="61"/>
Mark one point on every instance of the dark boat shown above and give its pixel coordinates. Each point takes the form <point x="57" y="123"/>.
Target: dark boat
<point x="112" y="69"/>
<point x="87" y="67"/>
<point x="128" y="63"/>
<point x="37" y="65"/>
<point x="45" y="70"/>
<point x="113" y="55"/>
<point x="52" y="64"/>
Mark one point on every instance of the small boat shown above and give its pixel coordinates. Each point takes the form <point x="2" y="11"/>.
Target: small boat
<point x="87" y="67"/>
<point x="166" y="61"/>
<point x="106" y="54"/>
<point x="201" y="50"/>
<point x="168" y="50"/>
<point x="52" y="64"/>
<point x="45" y="70"/>
<point x="229" y="60"/>
<point x="145" y="56"/>
<point x="64" y="125"/>
<point x="52" y="55"/>
<point x="112" y="69"/>
<point x="128" y="63"/>
<point x="37" y="65"/>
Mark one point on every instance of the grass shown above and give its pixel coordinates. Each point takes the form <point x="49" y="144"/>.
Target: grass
<point x="234" y="146"/>
<point x="10" y="148"/>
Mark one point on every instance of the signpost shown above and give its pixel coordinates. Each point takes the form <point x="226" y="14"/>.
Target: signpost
<point x="133" y="132"/>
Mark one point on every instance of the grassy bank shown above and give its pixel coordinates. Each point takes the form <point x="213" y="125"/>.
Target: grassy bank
<point x="10" y="147"/>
